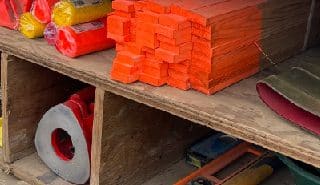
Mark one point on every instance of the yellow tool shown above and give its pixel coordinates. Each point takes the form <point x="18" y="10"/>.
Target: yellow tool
<point x="30" y="27"/>
<point x="68" y="13"/>
<point x="257" y="173"/>
<point x="251" y="176"/>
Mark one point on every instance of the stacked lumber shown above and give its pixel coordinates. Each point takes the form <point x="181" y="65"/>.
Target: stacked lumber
<point x="223" y="52"/>
<point x="204" y="45"/>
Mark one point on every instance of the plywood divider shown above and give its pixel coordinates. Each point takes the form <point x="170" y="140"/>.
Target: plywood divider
<point x="314" y="37"/>
<point x="29" y="90"/>
<point x="133" y="142"/>
<point x="97" y="136"/>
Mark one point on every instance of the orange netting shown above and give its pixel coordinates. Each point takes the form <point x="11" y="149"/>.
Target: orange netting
<point x="82" y="39"/>
<point x="42" y="9"/>
<point x="10" y="11"/>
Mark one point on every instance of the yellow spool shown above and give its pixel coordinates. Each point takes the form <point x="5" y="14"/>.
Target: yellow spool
<point x="0" y="132"/>
<point x="65" y="13"/>
<point x="30" y="27"/>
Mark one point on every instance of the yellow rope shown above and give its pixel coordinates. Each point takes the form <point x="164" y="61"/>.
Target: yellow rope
<point x="65" y="13"/>
<point x="30" y="27"/>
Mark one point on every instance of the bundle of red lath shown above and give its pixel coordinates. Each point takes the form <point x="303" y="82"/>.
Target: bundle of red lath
<point x="185" y="44"/>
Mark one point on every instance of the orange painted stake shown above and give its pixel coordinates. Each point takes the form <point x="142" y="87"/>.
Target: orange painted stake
<point x="218" y="53"/>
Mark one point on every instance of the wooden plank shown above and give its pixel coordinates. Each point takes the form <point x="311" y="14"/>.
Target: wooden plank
<point x="236" y="110"/>
<point x="6" y="179"/>
<point x="29" y="90"/>
<point x="5" y="167"/>
<point x="133" y="142"/>
<point x="32" y="170"/>
<point x="96" y="147"/>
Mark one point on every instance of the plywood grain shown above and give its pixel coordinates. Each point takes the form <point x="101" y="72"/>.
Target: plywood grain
<point x="6" y="179"/>
<point x="314" y="37"/>
<point x="29" y="90"/>
<point x="133" y="142"/>
<point x="32" y="170"/>
<point x="236" y="110"/>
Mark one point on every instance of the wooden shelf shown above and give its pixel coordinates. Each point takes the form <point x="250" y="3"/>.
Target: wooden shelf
<point x="3" y="165"/>
<point x="236" y="110"/>
<point x="32" y="170"/>
<point x="131" y="141"/>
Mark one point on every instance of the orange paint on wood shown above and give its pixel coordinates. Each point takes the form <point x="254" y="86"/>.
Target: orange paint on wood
<point x="125" y="68"/>
<point x="178" y="84"/>
<point x="133" y="48"/>
<point x="160" y="73"/>
<point x="123" y="5"/>
<point x="147" y="39"/>
<point x="119" y="38"/>
<point x="124" y="14"/>
<point x="118" y="25"/>
<point x="208" y="42"/>
<point x="171" y="57"/>
<point x="184" y="77"/>
<point x="174" y="41"/>
<point x="171" y="32"/>
<point x="154" y="63"/>
<point x="148" y="79"/>
<point x="157" y="8"/>
<point x="148" y="28"/>
<point x="183" y="48"/>
<point x="148" y="17"/>
<point x="174" y="21"/>
<point x="129" y="58"/>
<point x="148" y="51"/>
<point x="123" y="77"/>
<point x="182" y="67"/>
<point x="140" y="5"/>
<point x="119" y="47"/>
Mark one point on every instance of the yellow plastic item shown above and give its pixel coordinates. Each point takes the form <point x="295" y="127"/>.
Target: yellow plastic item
<point x="0" y="132"/>
<point x="252" y="176"/>
<point x="30" y="27"/>
<point x="68" y="13"/>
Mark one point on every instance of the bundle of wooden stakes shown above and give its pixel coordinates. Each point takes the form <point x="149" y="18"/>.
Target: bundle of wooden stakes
<point x="204" y="45"/>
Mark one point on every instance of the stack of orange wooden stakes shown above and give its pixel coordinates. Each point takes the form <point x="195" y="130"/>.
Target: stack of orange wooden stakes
<point x="204" y="45"/>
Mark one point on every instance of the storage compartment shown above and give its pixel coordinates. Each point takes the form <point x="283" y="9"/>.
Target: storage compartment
<point x="28" y="92"/>
<point x="131" y="141"/>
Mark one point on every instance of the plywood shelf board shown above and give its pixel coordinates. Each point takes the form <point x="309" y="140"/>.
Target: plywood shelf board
<point x="236" y="110"/>
<point x="130" y="147"/>
<point x="5" y="167"/>
<point x="32" y="170"/>
<point x="7" y="179"/>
